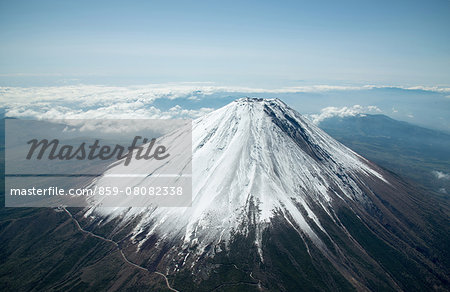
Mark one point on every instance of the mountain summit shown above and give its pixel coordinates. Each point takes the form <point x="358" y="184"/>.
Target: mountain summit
<point x="280" y="205"/>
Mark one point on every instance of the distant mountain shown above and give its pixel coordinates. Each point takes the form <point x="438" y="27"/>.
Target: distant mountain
<point x="278" y="205"/>
<point x="413" y="152"/>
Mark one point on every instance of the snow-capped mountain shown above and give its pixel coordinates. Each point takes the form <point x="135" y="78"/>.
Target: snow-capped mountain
<point x="278" y="199"/>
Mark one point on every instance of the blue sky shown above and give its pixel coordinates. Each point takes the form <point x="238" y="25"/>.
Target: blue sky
<point x="251" y="43"/>
<point x="185" y="58"/>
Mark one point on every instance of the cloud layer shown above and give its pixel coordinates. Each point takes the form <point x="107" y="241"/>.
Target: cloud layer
<point x="93" y="101"/>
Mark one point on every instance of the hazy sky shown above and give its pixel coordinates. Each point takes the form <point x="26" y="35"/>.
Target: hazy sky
<point x="254" y="43"/>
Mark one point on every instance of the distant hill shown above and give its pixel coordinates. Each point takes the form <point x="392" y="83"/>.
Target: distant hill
<point x="411" y="151"/>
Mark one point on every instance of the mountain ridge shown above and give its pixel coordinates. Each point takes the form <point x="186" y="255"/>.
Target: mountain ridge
<point x="278" y="205"/>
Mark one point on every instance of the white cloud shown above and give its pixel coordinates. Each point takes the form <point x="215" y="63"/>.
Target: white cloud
<point x="90" y="95"/>
<point x="94" y="101"/>
<point x="132" y="110"/>
<point x="441" y="175"/>
<point x="424" y="88"/>
<point x="332" y="111"/>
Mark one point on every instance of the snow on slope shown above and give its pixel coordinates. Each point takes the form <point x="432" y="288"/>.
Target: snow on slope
<point x="252" y="159"/>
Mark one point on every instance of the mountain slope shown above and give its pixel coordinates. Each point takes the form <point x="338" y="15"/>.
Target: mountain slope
<point x="278" y="205"/>
<point x="267" y="181"/>
<point x="415" y="152"/>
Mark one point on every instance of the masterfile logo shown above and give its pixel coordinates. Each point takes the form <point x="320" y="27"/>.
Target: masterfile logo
<point x="96" y="151"/>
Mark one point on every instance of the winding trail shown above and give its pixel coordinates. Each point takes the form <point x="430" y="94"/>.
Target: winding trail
<point x="118" y="247"/>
